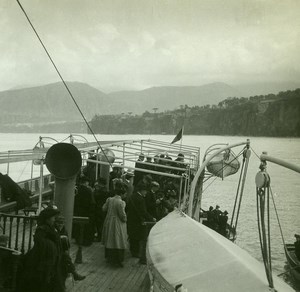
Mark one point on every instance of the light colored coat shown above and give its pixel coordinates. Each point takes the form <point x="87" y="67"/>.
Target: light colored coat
<point x="114" y="233"/>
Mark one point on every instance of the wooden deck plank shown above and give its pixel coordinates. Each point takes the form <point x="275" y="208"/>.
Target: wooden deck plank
<point x="101" y="276"/>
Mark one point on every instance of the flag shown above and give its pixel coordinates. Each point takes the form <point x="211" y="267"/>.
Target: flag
<point x="178" y="137"/>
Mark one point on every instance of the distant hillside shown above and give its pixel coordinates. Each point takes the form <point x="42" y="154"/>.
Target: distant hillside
<point x="49" y="103"/>
<point x="269" y="115"/>
<point x="170" y="97"/>
<point x="44" y="107"/>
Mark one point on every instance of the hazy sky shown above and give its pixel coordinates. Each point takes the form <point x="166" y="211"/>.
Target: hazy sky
<point x="135" y="44"/>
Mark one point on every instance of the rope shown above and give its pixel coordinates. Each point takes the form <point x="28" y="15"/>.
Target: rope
<point x="269" y="237"/>
<point x="237" y="193"/>
<point x="255" y="153"/>
<point x="23" y="171"/>
<point x="62" y="79"/>
<point x="265" y="241"/>
<point x="275" y="208"/>
<point x="242" y="190"/>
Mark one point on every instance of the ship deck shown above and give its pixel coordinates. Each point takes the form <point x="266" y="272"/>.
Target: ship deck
<point x="103" y="277"/>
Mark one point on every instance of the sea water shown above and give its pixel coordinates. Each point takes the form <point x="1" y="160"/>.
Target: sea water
<point x="285" y="184"/>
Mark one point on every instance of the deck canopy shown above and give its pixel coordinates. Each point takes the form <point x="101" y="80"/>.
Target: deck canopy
<point x="183" y="251"/>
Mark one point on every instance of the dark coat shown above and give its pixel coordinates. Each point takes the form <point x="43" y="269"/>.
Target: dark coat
<point x="42" y="264"/>
<point x="84" y="206"/>
<point x="138" y="175"/>
<point x="136" y="215"/>
<point x="151" y="205"/>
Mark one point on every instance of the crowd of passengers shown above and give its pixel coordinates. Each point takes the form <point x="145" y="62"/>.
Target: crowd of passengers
<point x="217" y="220"/>
<point x="123" y="212"/>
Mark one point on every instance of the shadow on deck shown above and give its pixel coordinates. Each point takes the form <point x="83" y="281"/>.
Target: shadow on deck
<point x="103" y="277"/>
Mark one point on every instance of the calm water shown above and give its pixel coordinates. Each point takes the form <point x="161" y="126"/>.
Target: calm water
<point x="285" y="184"/>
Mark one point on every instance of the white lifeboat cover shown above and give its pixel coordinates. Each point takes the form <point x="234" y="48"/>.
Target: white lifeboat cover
<point x="183" y="251"/>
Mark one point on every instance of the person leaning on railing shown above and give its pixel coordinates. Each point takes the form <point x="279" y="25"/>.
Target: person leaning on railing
<point x="41" y="265"/>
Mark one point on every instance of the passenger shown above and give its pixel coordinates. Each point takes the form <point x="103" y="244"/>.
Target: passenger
<point x="115" y="173"/>
<point x="138" y="175"/>
<point x="84" y="206"/>
<point x="297" y="246"/>
<point x="146" y="181"/>
<point x="171" y="200"/>
<point x="163" y="205"/>
<point x="137" y="216"/>
<point x="90" y="169"/>
<point x="216" y="218"/>
<point x="156" y="167"/>
<point x="151" y="199"/>
<point x="100" y="196"/>
<point x="128" y="180"/>
<point x="179" y="162"/>
<point x="114" y="235"/>
<point x="148" y="166"/>
<point x="67" y="265"/>
<point x="210" y="217"/>
<point x="42" y="264"/>
<point x="223" y="218"/>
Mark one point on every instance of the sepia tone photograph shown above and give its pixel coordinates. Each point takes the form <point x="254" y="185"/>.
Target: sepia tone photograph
<point x="149" y="145"/>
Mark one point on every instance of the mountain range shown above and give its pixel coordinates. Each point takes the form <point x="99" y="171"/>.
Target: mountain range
<point x="51" y="103"/>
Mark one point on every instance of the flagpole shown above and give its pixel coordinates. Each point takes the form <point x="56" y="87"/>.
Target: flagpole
<point x="183" y="126"/>
<point x="181" y="137"/>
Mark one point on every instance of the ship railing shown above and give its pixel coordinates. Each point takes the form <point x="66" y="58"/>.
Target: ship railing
<point x="16" y="238"/>
<point x="16" y="232"/>
<point x="19" y="231"/>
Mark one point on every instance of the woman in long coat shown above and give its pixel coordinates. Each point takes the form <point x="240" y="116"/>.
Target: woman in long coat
<point x="42" y="264"/>
<point x="114" y="234"/>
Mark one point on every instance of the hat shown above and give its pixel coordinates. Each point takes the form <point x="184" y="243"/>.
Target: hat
<point x="48" y="213"/>
<point x="225" y="212"/>
<point x="155" y="184"/>
<point x="129" y="173"/>
<point x="217" y="206"/>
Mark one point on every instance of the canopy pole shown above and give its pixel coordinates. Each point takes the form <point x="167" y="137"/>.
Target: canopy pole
<point x="41" y="186"/>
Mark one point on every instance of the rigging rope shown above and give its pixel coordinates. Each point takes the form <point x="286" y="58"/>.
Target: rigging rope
<point x="263" y="195"/>
<point x="237" y="193"/>
<point x="277" y="216"/>
<point x="246" y="154"/>
<point x="63" y="81"/>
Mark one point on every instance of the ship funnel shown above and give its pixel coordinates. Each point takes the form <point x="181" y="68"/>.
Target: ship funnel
<point x="64" y="162"/>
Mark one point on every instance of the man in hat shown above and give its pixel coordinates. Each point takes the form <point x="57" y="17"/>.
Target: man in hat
<point x="146" y="181"/>
<point x="151" y="199"/>
<point x="128" y="180"/>
<point x="223" y="218"/>
<point x="42" y="263"/>
<point x="137" y="215"/>
<point x="138" y="175"/>
<point x="84" y="206"/>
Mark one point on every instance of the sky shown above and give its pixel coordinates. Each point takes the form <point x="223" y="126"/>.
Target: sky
<point x="136" y="44"/>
